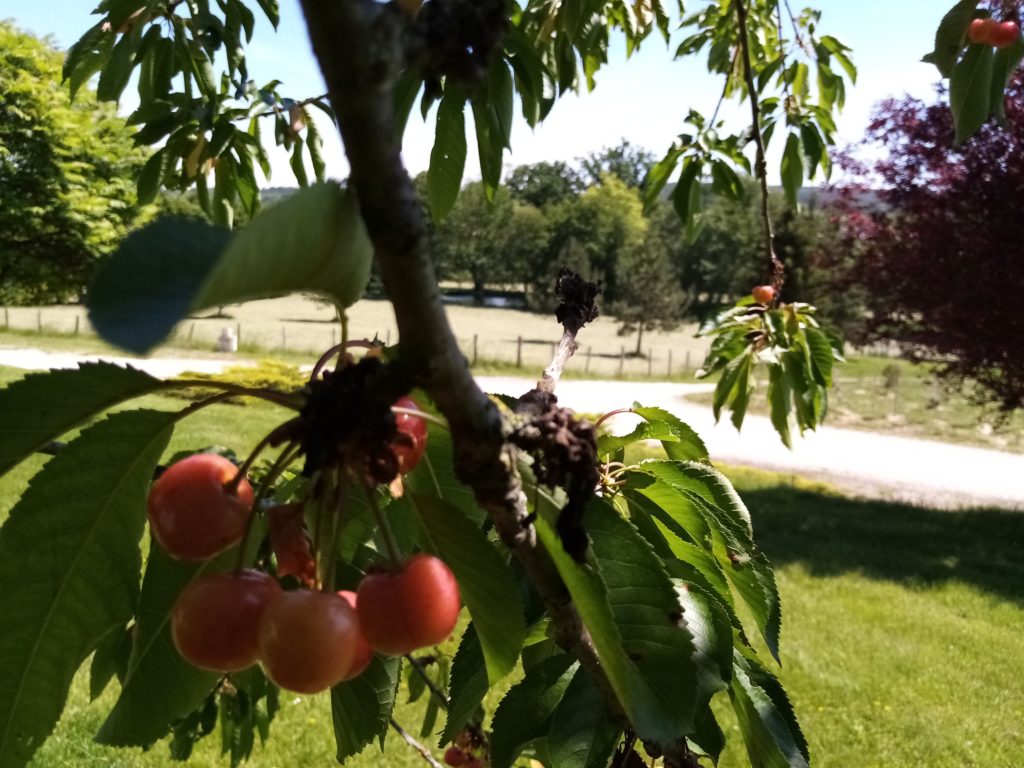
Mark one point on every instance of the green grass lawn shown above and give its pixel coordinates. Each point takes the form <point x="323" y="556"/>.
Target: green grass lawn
<point x="897" y="397"/>
<point x="902" y="631"/>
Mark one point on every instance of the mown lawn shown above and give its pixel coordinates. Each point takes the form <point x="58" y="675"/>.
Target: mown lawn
<point x="902" y="636"/>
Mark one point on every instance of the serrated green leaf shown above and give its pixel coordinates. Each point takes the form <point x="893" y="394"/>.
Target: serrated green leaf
<point x="709" y="494"/>
<point x="486" y="582"/>
<point x="780" y="399"/>
<point x="583" y="734"/>
<point x="118" y="69"/>
<point x="160" y="686"/>
<point x="42" y="406"/>
<point x="448" y="156"/>
<point x="1004" y="65"/>
<point x="768" y="723"/>
<point x="677" y="438"/>
<point x="653" y="717"/>
<point x="647" y="612"/>
<point x="524" y="714"/>
<point x="110" y="659"/>
<point x="69" y="568"/>
<point x="820" y="351"/>
<point x="435" y="475"/>
<point x="468" y="685"/>
<point x="86" y="57"/>
<point x="152" y="176"/>
<point x="272" y="11"/>
<point x="949" y="38"/>
<point x="970" y="91"/>
<point x="313" y="241"/>
<point x="792" y="168"/>
<point x="361" y="708"/>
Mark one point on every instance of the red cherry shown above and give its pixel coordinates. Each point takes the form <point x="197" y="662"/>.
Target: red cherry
<point x="411" y="442"/>
<point x="981" y="31"/>
<point x="414" y="607"/>
<point x="192" y="513"/>
<point x="216" y="618"/>
<point x="308" y="640"/>
<point x="763" y="294"/>
<point x="1004" y="34"/>
<point x="363" y="651"/>
<point x="290" y="541"/>
<point x="455" y="756"/>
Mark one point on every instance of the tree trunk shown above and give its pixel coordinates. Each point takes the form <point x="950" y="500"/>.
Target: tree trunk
<point x="639" y="339"/>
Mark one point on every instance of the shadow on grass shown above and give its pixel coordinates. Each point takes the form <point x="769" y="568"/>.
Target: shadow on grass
<point x="830" y="535"/>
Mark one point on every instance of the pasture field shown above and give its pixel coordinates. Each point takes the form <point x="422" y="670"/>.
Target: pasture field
<point x="902" y="643"/>
<point x="304" y="325"/>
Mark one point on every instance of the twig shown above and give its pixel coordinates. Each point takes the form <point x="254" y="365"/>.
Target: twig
<point x="776" y="269"/>
<point x="442" y="698"/>
<point x="424" y="752"/>
<point x="567" y="347"/>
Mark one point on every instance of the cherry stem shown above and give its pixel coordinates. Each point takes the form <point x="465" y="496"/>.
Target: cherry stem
<point x="394" y="554"/>
<point x="326" y="356"/>
<point x="608" y="415"/>
<point x="232" y="485"/>
<point x="286" y="457"/>
<point x="336" y="526"/>
<point x="423" y="751"/>
<point x="437" y="693"/>
<point x="278" y="398"/>
<point x="421" y="415"/>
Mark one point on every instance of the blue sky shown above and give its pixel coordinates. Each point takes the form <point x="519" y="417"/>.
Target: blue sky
<point x="643" y="99"/>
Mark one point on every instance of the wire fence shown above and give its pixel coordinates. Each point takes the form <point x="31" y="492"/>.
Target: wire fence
<point x="502" y="348"/>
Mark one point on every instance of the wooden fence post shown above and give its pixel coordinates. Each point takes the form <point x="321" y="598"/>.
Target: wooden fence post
<point x="519" y="352"/>
<point x="475" y="358"/>
<point x="622" y="359"/>
<point x="670" y="363"/>
<point x="586" y="368"/>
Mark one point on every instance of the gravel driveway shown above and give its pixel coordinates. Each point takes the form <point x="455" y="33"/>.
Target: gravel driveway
<point x="862" y="463"/>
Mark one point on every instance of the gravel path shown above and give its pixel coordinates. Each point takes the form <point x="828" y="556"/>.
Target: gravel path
<point x="863" y="463"/>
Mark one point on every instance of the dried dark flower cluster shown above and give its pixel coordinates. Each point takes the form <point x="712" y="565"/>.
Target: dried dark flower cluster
<point x="347" y="421"/>
<point x="456" y="39"/>
<point x="564" y="450"/>
<point x="576" y="300"/>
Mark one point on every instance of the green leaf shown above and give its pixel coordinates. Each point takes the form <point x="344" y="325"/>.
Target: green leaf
<point x="361" y="707"/>
<point x="1004" y="65"/>
<point x="647" y="612"/>
<point x="677" y="438"/>
<point x="653" y="709"/>
<point x="448" y="157"/>
<point x="272" y="10"/>
<point x="792" y="169"/>
<point x="767" y="721"/>
<point x="524" y="714"/>
<point x="313" y="241"/>
<point x="42" y="406"/>
<point x="582" y="731"/>
<point x="118" y="70"/>
<point x="780" y="398"/>
<point x="69" y="568"/>
<point x="707" y="492"/>
<point x="87" y="56"/>
<point x="686" y="195"/>
<point x="468" y="685"/>
<point x="435" y="475"/>
<point x="110" y="659"/>
<point x="970" y="91"/>
<point x="820" y="349"/>
<point x="160" y="686"/>
<point x="152" y="176"/>
<point x="949" y="38"/>
<point x="487" y="584"/>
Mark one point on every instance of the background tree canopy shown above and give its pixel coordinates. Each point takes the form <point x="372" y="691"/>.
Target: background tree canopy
<point x="67" y="175"/>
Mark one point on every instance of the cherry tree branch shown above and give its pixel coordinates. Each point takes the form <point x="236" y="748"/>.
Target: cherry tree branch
<point x="777" y="271"/>
<point x="359" y="47"/>
<point x="423" y="751"/>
